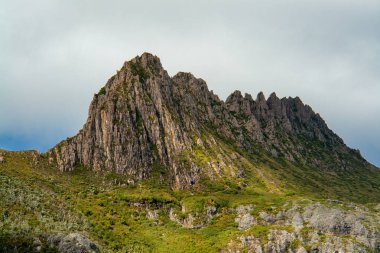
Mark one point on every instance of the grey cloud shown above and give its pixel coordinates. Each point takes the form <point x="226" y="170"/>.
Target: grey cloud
<point x="56" y="54"/>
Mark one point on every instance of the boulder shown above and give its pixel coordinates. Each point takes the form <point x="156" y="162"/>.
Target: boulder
<point x="72" y="243"/>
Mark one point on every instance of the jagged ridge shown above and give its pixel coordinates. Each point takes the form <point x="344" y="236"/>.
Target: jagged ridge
<point x="143" y="118"/>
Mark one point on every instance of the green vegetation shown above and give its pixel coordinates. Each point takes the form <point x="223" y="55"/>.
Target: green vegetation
<point x="139" y="71"/>
<point x="37" y="199"/>
<point x="102" y="91"/>
<point x="113" y="215"/>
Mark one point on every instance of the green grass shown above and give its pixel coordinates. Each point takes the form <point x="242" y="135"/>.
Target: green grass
<point x="110" y="212"/>
<point x="115" y="216"/>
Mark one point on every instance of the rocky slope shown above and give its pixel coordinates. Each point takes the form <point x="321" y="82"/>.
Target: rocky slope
<point x="44" y="210"/>
<point x="163" y="165"/>
<point x="143" y="118"/>
<point x="313" y="227"/>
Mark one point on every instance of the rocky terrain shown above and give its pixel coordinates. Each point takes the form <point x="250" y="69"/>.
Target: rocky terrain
<point x="163" y="165"/>
<point x="313" y="228"/>
<point x="144" y="117"/>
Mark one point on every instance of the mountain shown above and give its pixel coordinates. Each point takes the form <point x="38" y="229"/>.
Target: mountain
<point x="163" y="165"/>
<point x="143" y="119"/>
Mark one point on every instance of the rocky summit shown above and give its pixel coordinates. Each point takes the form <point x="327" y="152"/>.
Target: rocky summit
<point x="143" y="117"/>
<point x="163" y="165"/>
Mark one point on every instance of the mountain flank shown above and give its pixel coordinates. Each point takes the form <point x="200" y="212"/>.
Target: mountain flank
<point x="143" y="120"/>
<point x="163" y="165"/>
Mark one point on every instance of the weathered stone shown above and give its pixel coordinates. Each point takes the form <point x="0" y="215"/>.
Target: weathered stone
<point x="152" y="214"/>
<point x="72" y="243"/>
<point x="330" y="229"/>
<point x="193" y="220"/>
<point x="244" y="218"/>
<point x="279" y="241"/>
<point x="143" y="118"/>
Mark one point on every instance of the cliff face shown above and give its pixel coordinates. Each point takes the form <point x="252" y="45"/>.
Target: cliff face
<point x="286" y="127"/>
<point x="143" y="119"/>
<point x="131" y="124"/>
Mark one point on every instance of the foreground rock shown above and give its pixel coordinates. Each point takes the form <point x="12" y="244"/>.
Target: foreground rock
<point x="72" y="243"/>
<point x="244" y="219"/>
<point x="313" y="228"/>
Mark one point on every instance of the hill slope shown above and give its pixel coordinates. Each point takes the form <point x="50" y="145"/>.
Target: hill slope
<point x="40" y="203"/>
<point x="163" y="165"/>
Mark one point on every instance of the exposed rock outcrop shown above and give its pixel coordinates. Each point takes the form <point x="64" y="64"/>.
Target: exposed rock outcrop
<point x="244" y="218"/>
<point x="143" y="118"/>
<point x="316" y="227"/>
<point x="193" y="220"/>
<point x="72" y="243"/>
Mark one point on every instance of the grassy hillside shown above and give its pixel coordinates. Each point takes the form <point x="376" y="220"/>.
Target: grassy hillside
<point x="36" y="200"/>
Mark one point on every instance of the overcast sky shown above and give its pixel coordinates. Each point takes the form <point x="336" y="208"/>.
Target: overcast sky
<point x="54" y="55"/>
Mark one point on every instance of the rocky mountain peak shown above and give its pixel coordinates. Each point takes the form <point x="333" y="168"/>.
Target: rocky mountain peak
<point x="238" y="104"/>
<point x="260" y="98"/>
<point x="248" y="97"/>
<point x="235" y="95"/>
<point x="273" y="97"/>
<point x="148" y="61"/>
<point x="185" y="77"/>
<point x="235" y="98"/>
<point x="143" y="119"/>
<point x="188" y="80"/>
